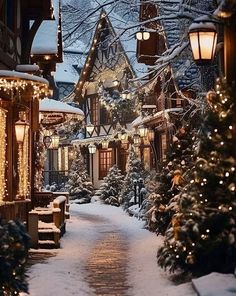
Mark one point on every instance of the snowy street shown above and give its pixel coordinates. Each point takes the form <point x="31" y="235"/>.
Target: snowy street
<point x="104" y="252"/>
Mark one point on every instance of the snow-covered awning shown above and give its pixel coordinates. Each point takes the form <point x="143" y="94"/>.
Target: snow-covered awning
<point x="28" y="84"/>
<point x="55" y="112"/>
<point x="150" y="118"/>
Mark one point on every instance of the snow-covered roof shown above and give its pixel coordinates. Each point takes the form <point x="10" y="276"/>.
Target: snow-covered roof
<point x="46" y="38"/>
<point x="50" y="105"/>
<point x="73" y="57"/>
<point x="24" y="76"/>
<point x="119" y="21"/>
<point x="144" y="120"/>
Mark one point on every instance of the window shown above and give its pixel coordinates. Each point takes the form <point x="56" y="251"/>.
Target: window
<point x="105" y="162"/>
<point x="94" y="110"/>
<point x="163" y="146"/>
<point x="105" y="116"/>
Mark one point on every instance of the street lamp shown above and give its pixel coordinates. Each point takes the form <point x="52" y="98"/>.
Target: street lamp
<point x="90" y="128"/>
<point x="105" y="144"/>
<point x="54" y="141"/>
<point x="203" y="39"/>
<point x="126" y="95"/>
<point x="136" y="139"/>
<point x="92" y="148"/>
<point x="142" y="130"/>
<point x="21" y="128"/>
<point x="142" y="35"/>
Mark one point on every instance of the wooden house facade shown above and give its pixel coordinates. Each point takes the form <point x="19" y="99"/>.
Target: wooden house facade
<point x="160" y="98"/>
<point x="104" y="94"/>
<point x="20" y="91"/>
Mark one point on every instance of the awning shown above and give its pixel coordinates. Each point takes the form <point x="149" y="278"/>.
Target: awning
<point x="54" y="112"/>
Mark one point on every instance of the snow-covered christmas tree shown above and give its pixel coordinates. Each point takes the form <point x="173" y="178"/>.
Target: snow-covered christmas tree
<point x="111" y="186"/>
<point x="134" y="173"/>
<point x="202" y="235"/>
<point x="79" y="184"/>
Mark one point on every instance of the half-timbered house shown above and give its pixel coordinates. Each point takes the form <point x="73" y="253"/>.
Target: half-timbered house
<point x="21" y="88"/>
<point x="104" y="92"/>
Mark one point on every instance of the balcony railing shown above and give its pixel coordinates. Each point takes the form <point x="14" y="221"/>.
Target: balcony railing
<point x="55" y="177"/>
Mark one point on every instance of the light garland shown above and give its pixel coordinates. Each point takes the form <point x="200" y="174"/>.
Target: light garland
<point x="23" y="168"/>
<point x="2" y="154"/>
<point x="11" y="84"/>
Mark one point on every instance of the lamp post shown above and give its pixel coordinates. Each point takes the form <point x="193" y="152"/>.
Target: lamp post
<point x="92" y="150"/>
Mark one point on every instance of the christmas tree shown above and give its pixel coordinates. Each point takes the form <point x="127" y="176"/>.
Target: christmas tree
<point x="170" y="178"/>
<point x="202" y="235"/>
<point x="14" y="245"/>
<point x="134" y="173"/>
<point x="111" y="186"/>
<point x="79" y="184"/>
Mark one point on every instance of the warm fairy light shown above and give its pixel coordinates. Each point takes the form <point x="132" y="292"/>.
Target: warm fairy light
<point x="230" y="127"/>
<point x="11" y="84"/>
<point x="221" y="182"/>
<point x="230" y="208"/>
<point x="2" y="154"/>
<point x="227" y="174"/>
<point x="23" y="167"/>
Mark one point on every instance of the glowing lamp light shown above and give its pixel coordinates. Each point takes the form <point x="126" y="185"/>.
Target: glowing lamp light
<point x="105" y="144"/>
<point x="151" y="135"/>
<point x="142" y="35"/>
<point x="203" y="39"/>
<point x="142" y="130"/>
<point x="136" y="139"/>
<point x="90" y="128"/>
<point x="126" y="95"/>
<point x="21" y="128"/>
<point x="55" y="141"/>
<point x="92" y="148"/>
<point x="116" y="82"/>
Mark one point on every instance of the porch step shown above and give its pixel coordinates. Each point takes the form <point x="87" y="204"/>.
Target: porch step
<point x="48" y="244"/>
<point x="48" y="233"/>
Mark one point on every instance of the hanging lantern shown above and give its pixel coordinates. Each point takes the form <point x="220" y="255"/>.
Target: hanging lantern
<point x="142" y="35"/>
<point x="203" y="39"/>
<point x="90" y="128"/>
<point x="137" y="139"/>
<point x="151" y="135"/>
<point x="55" y="141"/>
<point x="47" y="141"/>
<point x="126" y="95"/>
<point x="21" y="128"/>
<point x="92" y="148"/>
<point x="142" y="130"/>
<point x="116" y="82"/>
<point x="105" y="144"/>
<point x="123" y="136"/>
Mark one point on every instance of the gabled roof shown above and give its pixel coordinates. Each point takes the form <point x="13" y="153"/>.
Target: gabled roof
<point x="98" y="43"/>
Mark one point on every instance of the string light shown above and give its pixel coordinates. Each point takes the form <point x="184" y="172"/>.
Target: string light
<point x="2" y="154"/>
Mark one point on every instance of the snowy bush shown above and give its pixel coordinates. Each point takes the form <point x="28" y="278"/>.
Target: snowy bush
<point x="79" y="184"/>
<point x="111" y="186"/>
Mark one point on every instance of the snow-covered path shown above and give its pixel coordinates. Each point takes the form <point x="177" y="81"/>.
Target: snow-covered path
<point x="78" y="267"/>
